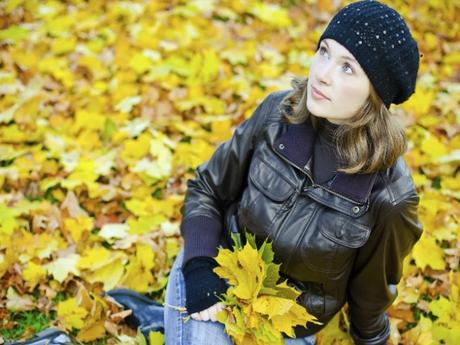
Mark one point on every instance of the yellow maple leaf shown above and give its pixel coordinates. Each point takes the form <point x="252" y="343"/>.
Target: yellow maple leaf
<point x="8" y="222"/>
<point x="140" y="62"/>
<point x="6" y="259"/>
<point x="58" y="68"/>
<point x="89" y="140"/>
<point x="109" y="274"/>
<point x="445" y="309"/>
<point x="282" y="323"/>
<point x="272" y="305"/>
<point x="32" y="274"/>
<point x="250" y="275"/>
<point x="445" y="333"/>
<point x="135" y="149"/>
<point x="228" y="265"/>
<point x="93" y="258"/>
<point x="272" y="14"/>
<point x="84" y="172"/>
<point x="433" y="147"/>
<point x="85" y="119"/>
<point x="332" y="333"/>
<point x="94" y="64"/>
<point x="156" y="338"/>
<point x="451" y="183"/>
<point x="220" y="130"/>
<point x="427" y="253"/>
<point x="145" y="224"/>
<point x="78" y="226"/>
<point x="62" y="45"/>
<point x="420" y="102"/>
<point x="71" y="314"/>
<point x="138" y="272"/>
<point x="91" y="331"/>
<point x="192" y="154"/>
<point x="432" y="203"/>
<point x="421" y="334"/>
<point x="145" y="255"/>
<point x="420" y="179"/>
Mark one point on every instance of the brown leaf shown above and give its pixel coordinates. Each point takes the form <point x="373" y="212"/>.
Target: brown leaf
<point x="402" y="312"/>
<point x="111" y="327"/>
<point x="117" y="317"/>
<point x="72" y="206"/>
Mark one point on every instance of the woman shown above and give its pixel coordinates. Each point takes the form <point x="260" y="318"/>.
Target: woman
<point x="319" y="170"/>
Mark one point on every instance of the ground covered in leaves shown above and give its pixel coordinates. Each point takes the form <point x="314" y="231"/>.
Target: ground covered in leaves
<point x="106" y="109"/>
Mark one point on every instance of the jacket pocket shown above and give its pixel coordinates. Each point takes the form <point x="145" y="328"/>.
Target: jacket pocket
<point x="267" y="193"/>
<point x="331" y="243"/>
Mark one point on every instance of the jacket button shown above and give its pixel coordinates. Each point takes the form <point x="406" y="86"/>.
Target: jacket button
<point x="281" y="146"/>
<point x="355" y="209"/>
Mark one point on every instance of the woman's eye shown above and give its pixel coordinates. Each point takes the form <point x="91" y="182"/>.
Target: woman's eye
<point x="347" y="66"/>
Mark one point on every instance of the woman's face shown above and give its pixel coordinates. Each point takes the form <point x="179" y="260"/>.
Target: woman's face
<point x="337" y="75"/>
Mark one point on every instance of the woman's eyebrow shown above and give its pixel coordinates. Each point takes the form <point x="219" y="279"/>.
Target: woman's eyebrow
<point x="343" y="56"/>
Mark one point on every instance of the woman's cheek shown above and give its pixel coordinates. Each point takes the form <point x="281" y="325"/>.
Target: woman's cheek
<point x="352" y="96"/>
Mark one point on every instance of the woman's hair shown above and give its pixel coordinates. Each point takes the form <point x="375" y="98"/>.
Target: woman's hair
<point x="371" y="140"/>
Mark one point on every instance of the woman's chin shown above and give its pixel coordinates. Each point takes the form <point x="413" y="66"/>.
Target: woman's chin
<point x="315" y="109"/>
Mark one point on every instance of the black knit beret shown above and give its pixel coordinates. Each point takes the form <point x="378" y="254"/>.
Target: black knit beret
<point x="380" y="40"/>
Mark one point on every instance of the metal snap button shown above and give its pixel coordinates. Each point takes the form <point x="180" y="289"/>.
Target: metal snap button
<point x="306" y="167"/>
<point x="281" y="146"/>
<point x="355" y="209"/>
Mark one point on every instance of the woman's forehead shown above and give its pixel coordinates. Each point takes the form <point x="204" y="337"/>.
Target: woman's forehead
<point x="342" y="50"/>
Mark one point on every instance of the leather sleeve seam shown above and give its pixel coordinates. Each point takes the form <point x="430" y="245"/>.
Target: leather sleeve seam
<point x="388" y="188"/>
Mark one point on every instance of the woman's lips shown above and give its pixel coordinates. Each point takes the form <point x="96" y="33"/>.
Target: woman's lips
<point x="317" y="94"/>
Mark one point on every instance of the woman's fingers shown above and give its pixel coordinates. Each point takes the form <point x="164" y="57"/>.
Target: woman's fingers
<point x="205" y="315"/>
<point x="212" y="313"/>
<point x="214" y="310"/>
<point x="196" y="316"/>
<point x="208" y="314"/>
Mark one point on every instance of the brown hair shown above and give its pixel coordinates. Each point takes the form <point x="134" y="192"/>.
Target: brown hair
<point x="371" y="140"/>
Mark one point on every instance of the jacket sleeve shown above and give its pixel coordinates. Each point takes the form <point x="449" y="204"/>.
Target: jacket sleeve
<point x="218" y="182"/>
<point x="378" y="269"/>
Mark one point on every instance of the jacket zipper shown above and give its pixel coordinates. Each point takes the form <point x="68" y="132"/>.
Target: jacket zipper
<point x="291" y="200"/>
<point x="313" y="184"/>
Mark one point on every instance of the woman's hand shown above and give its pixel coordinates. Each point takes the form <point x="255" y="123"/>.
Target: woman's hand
<point x="208" y="314"/>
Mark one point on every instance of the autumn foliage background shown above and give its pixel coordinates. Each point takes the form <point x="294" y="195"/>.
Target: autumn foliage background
<point x="106" y="109"/>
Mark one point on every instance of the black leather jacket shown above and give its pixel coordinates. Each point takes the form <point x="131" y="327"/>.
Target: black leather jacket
<point x="340" y="242"/>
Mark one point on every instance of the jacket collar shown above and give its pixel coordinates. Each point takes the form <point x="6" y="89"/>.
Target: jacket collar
<point x="296" y="145"/>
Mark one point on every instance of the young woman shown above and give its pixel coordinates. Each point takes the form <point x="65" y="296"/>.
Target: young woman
<point x="319" y="170"/>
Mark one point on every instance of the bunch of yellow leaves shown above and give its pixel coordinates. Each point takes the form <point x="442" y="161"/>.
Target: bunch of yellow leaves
<point x="258" y="308"/>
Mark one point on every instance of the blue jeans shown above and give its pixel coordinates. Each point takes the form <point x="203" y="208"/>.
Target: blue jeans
<point x="178" y="332"/>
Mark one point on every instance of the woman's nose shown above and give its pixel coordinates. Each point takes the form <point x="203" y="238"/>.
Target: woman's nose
<point x="324" y="73"/>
